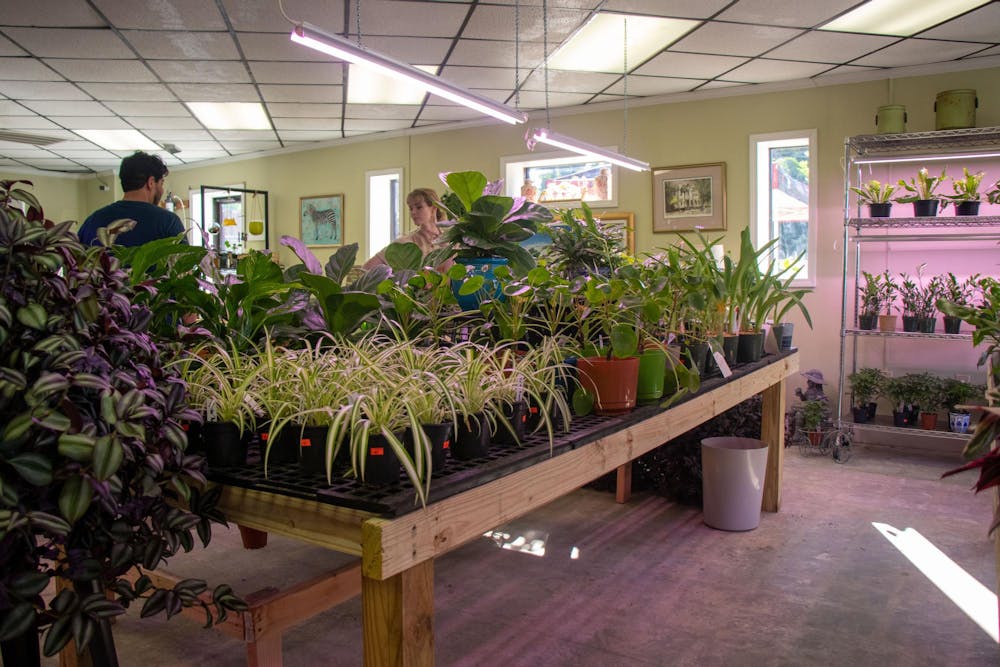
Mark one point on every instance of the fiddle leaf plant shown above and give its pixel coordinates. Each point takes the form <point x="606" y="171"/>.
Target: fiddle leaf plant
<point x="94" y="476"/>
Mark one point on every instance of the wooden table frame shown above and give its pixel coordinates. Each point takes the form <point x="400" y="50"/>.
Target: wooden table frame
<point x="397" y="554"/>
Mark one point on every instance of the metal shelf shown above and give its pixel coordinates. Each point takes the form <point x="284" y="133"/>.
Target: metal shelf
<point x="937" y="140"/>
<point x="883" y="424"/>
<point x="937" y="222"/>
<point x="907" y="334"/>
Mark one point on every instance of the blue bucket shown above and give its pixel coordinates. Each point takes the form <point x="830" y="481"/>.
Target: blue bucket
<point x="483" y="266"/>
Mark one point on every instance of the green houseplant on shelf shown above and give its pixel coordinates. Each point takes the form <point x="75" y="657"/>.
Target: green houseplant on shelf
<point x="922" y="188"/>
<point x="961" y="294"/>
<point x="583" y="244"/>
<point x="813" y="414"/>
<point x="94" y="474"/>
<point x="867" y="385"/>
<point x="928" y="395"/>
<point x="877" y="196"/>
<point x="967" y="195"/>
<point x="956" y="395"/>
<point x="871" y="301"/>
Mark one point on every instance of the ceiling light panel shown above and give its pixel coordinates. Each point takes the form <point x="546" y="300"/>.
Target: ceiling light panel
<point x="230" y="115"/>
<point x="366" y="85"/>
<point x="119" y="140"/>
<point x="901" y="18"/>
<point x="792" y="13"/>
<point x="597" y="46"/>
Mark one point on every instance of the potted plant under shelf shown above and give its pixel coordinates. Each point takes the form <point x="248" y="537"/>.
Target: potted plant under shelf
<point x="922" y="193"/>
<point x="967" y="195"/>
<point x="870" y="301"/>
<point x="866" y="386"/>
<point x="956" y="394"/>
<point x="959" y="293"/>
<point x="928" y="396"/>
<point x="900" y="392"/>
<point x="877" y="196"/>
<point x="813" y="413"/>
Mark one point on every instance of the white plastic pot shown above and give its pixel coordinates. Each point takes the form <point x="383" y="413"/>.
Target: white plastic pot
<point x="733" y="481"/>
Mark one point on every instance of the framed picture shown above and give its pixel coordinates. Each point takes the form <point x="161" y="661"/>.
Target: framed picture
<point x="627" y="229"/>
<point x="321" y="220"/>
<point x="690" y="197"/>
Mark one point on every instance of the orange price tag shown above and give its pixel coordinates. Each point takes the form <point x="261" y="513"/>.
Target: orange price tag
<point x="533" y="409"/>
<point x="264" y="436"/>
<point x="305" y="442"/>
<point x="446" y="445"/>
<point x="376" y="451"/>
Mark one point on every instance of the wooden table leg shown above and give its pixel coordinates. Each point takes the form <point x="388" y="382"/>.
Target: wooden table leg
<point x="252" y="538"/>
<point x="772" y="431"/>
<point x="265" y="651"/>
<point x="398" y="618"/>
<point x="623" y="486"/>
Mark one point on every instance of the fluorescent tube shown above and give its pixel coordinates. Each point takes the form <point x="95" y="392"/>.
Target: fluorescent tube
<point x="547" y="136"/>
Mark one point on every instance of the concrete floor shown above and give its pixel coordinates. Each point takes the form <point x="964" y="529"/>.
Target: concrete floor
<point x="815" y="584"/>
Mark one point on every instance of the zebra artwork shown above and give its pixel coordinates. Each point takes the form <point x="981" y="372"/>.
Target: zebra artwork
<point x="322" y="219"/>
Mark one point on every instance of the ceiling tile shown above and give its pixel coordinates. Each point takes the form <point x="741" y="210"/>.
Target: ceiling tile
<point x="238" y="147"/>
<point x="266" y="17"/>
<point x="75" y="144"/>
<point x="33" y="123"/>
<point x="324" y="124"/>
<point x="309" y="135"/>
<point x="202" y="155"/>
<point x="106" y="71"/>
<point x="9" y="48"/>
<point x="92" y="122"/>
<point x="165" y="123"/>
<point x="698" y="66"/>
<point x="69" y="108"/>
<point x="846" y="69"/>
<point x="397" y="111"/>
<point x="26" y="69"/>
<point x="148" y="108"/>
<point x="734" y="40"/>
<point x="172" y="15"/>
<point x="916" y="52"/>
<point x="439" y="112"/>
<point x="284" y="110"/>
<point x="980" y="25"/>
<point x="654" y="85"/>
<point x="200" y="71"/>
<point x="711" y="85"/>
<point x="15" y="149"/>
<point x="214" y="92"/>
<point x="763" y="70"/>
<point x="258" y="136"/>
<point x="413" y="50"/>
<point x="129" y="92"/>
<point x="830" y="47"/>
<point x="531" y="99"/>
<point x="494" y="22"/>
<point x="9" y="108"/>
<point x="70" y="42"/>
<point x="392" y="17"/>
<point x="168" y="45"/>
<point x="281" y="93"/>
<point x="988" y="52"/>
<point x="569" y="81"/>
<point x="260" y="46"/>
<point x="375" y="124"/>
<point x="309" y="73"/>
<point x="490" y="53"/>
<point x="795" y="13"/>
<point x="45" y="90"/>
<point x="192" y="140"/>
<point x="51" y="163"/>
<point x="684" y="9"/>
<point x="79" y="154"/>
<point x="53" y="13"/>
<point x="479" y="77"/>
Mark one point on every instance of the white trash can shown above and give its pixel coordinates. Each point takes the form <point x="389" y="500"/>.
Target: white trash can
<point x="732" y="481"/>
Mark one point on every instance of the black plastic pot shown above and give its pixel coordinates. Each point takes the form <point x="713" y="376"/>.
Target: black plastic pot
<point x="517" y="415"/>
<point x="868" y="322"/>
<point x="750" y="347"/>
<point x="224" y="446"/>
<point x="381" y="463"/>
<point x="196" y="444"/>
<point x="872" y="410"/>
<point x="952" y="325"/>
<point x="312" y="449"/>
<point x="902" y="418"/>
<point x="967" y="208"/>
<point x="911" y="323"/>
<point x="473" y="439"/>
<point x="698" y="351"/>
<point x="860" y="414"/>
<point x="925" y="208"/>
<point x="440" y="437"/>
<point x="926" y="324"/>
<point x="284" y="447"/>
<point x="880" y="210"/>
<point x="730" y="348"/>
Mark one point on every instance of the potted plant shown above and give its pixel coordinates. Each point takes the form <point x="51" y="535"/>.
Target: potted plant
<point x="955" y="395"/>
<point x="900" y="392"/>
<point x="887" y="297"/>
<point x="93" y="453"/>
<point x="959" y="293"/>
<point x="870" y="301"/>
<point x="484" y="230"/>
<point x="866" y="386"/>
<point x="918" y="300"/>
<point x="967" y="195"/>
<point x="877" y="196"/>
<point x="813" y="414"/>
<point x="927" y="395"/>
<point x="583" y="244"/>
<point x="921" y="188"/>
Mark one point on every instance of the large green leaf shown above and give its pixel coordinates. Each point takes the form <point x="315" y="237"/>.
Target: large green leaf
<point x="402" y="256"/>
<point x="108" y="456"/>
<point x="33" y="468"/>
<point x="467" y="185"/>
<point x="75" y="497"/>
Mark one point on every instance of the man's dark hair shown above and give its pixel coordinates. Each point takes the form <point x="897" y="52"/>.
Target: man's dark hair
<point x="138" y="167"/>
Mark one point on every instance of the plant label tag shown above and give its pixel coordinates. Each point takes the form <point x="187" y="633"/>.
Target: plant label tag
<point x="264" y="436"/>
<point x="446" y="445"/>
<point x="720" y="361"/>
<point x="376" y="451"/>
<point x="305" y="442"/>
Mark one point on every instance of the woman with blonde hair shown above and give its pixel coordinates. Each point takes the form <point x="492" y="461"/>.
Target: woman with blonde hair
<point x="425" y="215"/>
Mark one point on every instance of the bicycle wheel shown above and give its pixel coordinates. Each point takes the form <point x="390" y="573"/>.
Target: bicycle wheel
<point x="802" y="440"/>
<point x="840" y="443"/>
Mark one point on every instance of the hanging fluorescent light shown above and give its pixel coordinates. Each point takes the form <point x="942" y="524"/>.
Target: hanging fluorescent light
<point x="338" y="47"/>
<point x="900" y="18"/>
<point x="547" y="136"/>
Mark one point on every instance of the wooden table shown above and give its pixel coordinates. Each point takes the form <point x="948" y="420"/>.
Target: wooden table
<point x="397" y="554"/>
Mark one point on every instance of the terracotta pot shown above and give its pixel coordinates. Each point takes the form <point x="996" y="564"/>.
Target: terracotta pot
<point x="613" y="383"/>
<point x="886" y="323"/>
<point x="928" y="421"/>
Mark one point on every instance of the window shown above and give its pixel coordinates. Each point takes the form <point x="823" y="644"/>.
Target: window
<point x="560" y="179"/>
<point x="783" y="199"/>
<point x="385" y="203"/>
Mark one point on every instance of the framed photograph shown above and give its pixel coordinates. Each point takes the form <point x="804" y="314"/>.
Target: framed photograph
<point x="321" y="220"/>
<point x="690" y="197"/>
<point x="627" y="228"/>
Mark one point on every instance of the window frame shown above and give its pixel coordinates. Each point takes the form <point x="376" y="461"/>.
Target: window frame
<point x="400" y="206"/>
<point x="759" y="224"/>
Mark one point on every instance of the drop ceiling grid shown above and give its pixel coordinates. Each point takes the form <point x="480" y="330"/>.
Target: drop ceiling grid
<point x="85" y="64"/>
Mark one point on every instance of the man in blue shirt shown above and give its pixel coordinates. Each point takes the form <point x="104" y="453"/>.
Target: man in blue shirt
<point x="141" y="176"/>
